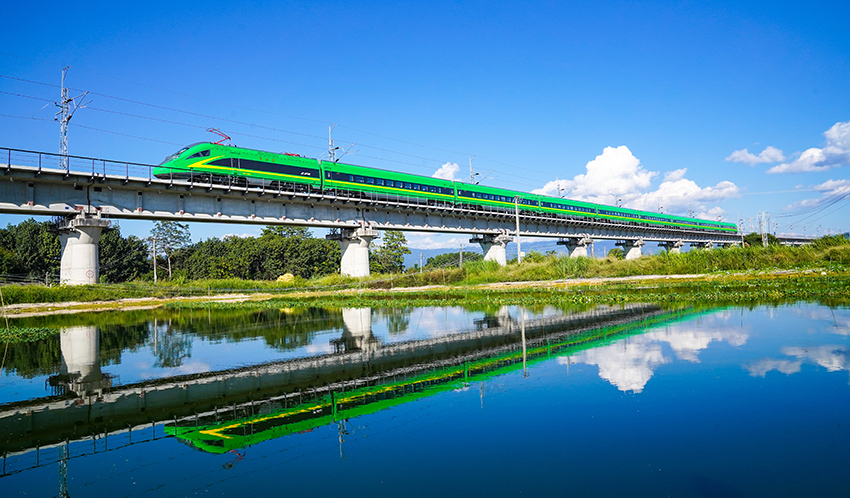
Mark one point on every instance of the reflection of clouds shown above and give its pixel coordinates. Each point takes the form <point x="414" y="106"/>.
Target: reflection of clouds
<point x="315" y="349"/>
<point x="838" y="319"/>
<point x="629" y="368"/>
<point x="191" y="367"/>
<point x="832" y="358"/>
<point x="688" y="343"/>
<point x="629" y="365"/>
<point x="761" y="367"/>
<point x="435" y="322"/>
<point x="839" y="328"/>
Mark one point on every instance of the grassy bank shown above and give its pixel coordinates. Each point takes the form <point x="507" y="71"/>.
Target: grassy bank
<point x="714" y="290"/>
<point x="831" y="255"/>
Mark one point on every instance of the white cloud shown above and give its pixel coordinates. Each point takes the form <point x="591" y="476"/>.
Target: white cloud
<point x="439" y="242"/>
<point x="616" y="176"/>
<point x="447" y="172"/>
<point x="768" y="155"/>
<point x="675" y="175"/>
<point x="834" y="154"/>
<point x="615" y="171"/>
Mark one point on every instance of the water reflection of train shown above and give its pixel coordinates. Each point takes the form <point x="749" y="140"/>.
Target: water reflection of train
<point x="299" y="413"/>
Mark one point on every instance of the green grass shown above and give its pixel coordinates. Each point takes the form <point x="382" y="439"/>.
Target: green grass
<point x="830" y="254"/>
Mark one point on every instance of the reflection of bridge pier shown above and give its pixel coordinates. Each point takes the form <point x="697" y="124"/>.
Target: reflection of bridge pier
<point x="501" y="319"/>
<point x="357" y="331"/>
<point x="80" y="372"/>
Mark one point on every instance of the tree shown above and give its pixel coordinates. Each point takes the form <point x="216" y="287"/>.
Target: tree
<point x="389" y="256"/>
<point x="279" y="250"/>
<point x="30" y="249"/>
<point x="287" y="231"/>
<point x="617" y="253"/>
<point x="121" y="259"/>
<point x="169" y="236"/>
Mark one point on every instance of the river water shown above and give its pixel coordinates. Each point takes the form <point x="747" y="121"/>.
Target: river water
<point x="634" y="401"/>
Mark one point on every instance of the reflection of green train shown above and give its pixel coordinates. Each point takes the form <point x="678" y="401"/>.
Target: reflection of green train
<point x="215" y="163"/>
<point x="330" y="406"/>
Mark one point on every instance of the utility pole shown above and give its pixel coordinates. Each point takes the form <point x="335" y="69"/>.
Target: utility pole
<point x="460" y="264"/>
<point x="471" y="171"/>
<point x="67" y="107"/>
<point x="154" y="259"/>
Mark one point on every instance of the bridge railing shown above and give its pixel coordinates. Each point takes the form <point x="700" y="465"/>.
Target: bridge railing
<point x="78" y="164"/>
<point x="100" y="168"/>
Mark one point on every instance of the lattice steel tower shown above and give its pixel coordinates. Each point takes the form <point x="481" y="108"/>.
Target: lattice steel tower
<point x="67" y="106"/>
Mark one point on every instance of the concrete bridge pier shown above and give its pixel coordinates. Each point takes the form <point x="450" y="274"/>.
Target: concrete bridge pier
<point x="632" y="248"/>
<point x="354" y="246"/>
<point x="672" y="247"/>
<point x="577" y="246"/>
<point x="493" y="247"/>
<point x="703" y="245"/>
<point x="79" y="238"/>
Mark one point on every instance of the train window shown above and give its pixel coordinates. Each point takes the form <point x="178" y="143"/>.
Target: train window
<point x="433" y="189"/>
<point x="380" y="182"/>
<point x="359" y="179"/>
<point x="370" y="181"/>
<point x="407" y="186"/>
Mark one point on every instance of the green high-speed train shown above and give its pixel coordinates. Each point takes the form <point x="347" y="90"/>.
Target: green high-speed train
<point x="216" y="163"/>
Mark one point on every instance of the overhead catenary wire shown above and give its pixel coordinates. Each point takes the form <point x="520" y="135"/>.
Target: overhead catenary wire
<point x="535" y="183"/>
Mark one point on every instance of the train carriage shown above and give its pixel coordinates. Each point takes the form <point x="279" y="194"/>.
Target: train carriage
<point x="567" y="207"/>
<point x="476" y="196"/>
<point x="386" y="184"/>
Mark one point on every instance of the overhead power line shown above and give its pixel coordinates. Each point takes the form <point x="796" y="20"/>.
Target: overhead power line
<point x="534" y="183"/>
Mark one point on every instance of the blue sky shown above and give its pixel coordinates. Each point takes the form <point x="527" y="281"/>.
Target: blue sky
<point x="721" y="109"/>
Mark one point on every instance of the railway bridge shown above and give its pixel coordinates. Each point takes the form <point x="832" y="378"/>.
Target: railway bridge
<point x="88" y="192"/>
